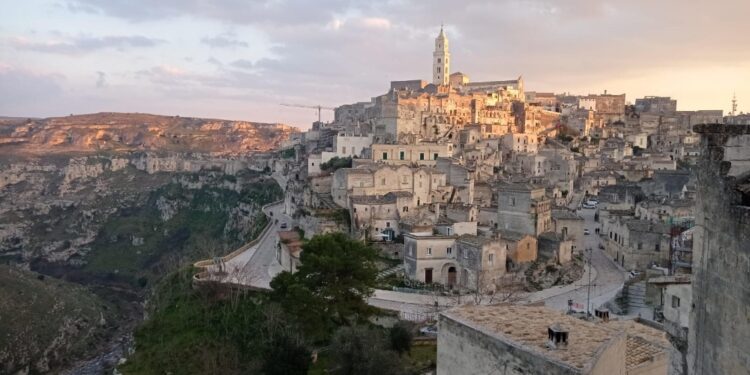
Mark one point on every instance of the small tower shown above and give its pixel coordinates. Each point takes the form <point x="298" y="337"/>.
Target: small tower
<point x="734" y="104"/>
<point x="441" y="60"/>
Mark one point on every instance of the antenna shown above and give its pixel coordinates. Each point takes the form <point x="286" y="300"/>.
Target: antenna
<point x="734" y="104"/>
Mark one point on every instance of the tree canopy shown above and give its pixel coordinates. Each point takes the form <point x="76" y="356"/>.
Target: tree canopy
<point x="331" y="286"/>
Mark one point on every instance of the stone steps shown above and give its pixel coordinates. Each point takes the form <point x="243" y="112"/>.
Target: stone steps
<point x="390" y="271"/>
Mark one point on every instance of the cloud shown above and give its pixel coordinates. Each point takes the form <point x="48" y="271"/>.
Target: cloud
<point x="226" y="40"/>
<point x="83" y="44"/>
<point x="101" y="80"/>
<point x="338" y="51"/>
<point x="242" y="64"/>
<point x="376" y="23"/>
<point x="24" y="92"/>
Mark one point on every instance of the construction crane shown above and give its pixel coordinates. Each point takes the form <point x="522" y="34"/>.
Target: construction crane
<point x="318" y="107"/>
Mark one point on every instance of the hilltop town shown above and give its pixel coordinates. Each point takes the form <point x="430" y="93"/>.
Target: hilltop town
<point x="482" y="193"/>
<point x="448" y="226"/>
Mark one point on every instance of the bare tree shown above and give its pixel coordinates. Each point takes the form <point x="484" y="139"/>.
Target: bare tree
<point x="491" y="289"/>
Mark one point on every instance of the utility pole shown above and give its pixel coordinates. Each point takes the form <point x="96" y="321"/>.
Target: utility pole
<point x="588" y="286"/>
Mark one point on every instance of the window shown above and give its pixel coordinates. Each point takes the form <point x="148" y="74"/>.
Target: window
<point x="421" y="156"/>
<point x="657" y="247"/>
<point x="382" y="181"/>
<point x="438" y="69"/>
<point x="675" y="302"/>
<point x="466" y="254"/>
<point x="512" y="201"/>
<point x="429" y="251"/>
<point x="385" y="156"/>
<point x="401" y="155"/>
<point x="435" y="156"/>
<point x="492" y="259"/>
<point x="640" y="246"/>
<point x="438" y="59"/>
<point x="449" y="250"/>
<point x="343" y="150"/>
<point x="388" y="224"/>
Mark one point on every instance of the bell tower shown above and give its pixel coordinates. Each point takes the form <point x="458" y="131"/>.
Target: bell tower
<point x="441" y="60"/>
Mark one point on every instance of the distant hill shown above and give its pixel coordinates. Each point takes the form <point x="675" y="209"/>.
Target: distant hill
<point x="122" y="132"/>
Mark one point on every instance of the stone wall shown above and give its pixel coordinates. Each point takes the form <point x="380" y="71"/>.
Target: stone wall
<point x="719" y="332"/>
<point x="463" y="349"/>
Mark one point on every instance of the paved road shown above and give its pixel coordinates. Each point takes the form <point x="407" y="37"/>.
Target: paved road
<point x="258" y="266"/>
<point x="262" y="266"/>
<point x="606" y="281"/>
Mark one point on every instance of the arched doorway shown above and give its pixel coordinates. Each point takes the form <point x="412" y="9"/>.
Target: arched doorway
<point x="452" y="276"/>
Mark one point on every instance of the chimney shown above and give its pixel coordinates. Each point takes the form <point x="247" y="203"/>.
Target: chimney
<point x="558" y="336"/>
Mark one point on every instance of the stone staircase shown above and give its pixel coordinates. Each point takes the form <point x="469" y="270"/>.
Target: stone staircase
<point x="390" y="271"/>
<point x="326" y="201"/>
<point x="636" y="294"/>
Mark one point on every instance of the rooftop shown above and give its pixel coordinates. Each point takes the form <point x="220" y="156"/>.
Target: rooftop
<point x="526" y="327"/>
<point x="565" y="215"/>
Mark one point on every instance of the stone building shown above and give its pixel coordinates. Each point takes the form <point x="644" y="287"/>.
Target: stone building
<point x="656" y="104"/>
<point x="441" y="64"/>
<point x="425" y="184"/>
<point x="523" y="208"/>
<point x="636" y="244"/>
<point x="430" y="258"/>
<point x="719" y="332"/>
<point x="515" y="340"/>
<point x="674" y="301"/>
<point x="521" y="247"/>
<point x="422" y="153"/>
<point x="481" y="261"/>
<point x="288" y="250"/>
<point x="554" y="246"/>
<point x="376" y="217"/>
<point x="570" y="226"/>
<point x="454" y="256"/>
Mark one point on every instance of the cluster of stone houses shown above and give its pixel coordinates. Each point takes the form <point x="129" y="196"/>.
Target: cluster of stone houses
<point x="479" y="178"/>
<point x="470" y="181"/>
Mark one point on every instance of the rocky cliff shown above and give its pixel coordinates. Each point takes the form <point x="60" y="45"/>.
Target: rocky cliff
<point x="111" y="204"/>
<point x="118" y="132"/>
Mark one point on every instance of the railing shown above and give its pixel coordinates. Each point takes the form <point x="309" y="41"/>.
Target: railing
<point x="203" y="275"/>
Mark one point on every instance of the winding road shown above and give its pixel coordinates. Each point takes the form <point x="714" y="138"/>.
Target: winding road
<point x="257" y="265"/>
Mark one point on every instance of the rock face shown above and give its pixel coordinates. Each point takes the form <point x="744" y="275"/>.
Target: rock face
<point x="52" y="208"/>
<point x="139" y="132"/>
<point x="113" y="202"/>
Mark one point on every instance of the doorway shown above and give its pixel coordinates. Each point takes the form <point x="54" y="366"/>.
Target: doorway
<point x="428" y="275"/>
<point x="451" y="276"/>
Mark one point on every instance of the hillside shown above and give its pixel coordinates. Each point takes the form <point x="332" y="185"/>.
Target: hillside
<point x="46" y="322"/>
<point x="122" y="132"/>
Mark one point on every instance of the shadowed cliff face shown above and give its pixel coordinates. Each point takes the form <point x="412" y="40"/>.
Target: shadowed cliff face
<point x="112" y="202"/>
<point x="117" y="132"/>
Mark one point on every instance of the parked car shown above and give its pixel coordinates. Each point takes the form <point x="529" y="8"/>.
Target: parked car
<point x="586" y="232"/>
<point x="429" y="331"/>
<point x="284" y="225"/>
<point x="592" y="202"/>
<point x="587" y="205"/>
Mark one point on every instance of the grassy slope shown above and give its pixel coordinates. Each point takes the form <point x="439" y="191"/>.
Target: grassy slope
<point x="35" y="312"/>
<point x="196" y="333"/>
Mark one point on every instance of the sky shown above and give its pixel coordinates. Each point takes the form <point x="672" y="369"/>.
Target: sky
<point x="240" y="59"/>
